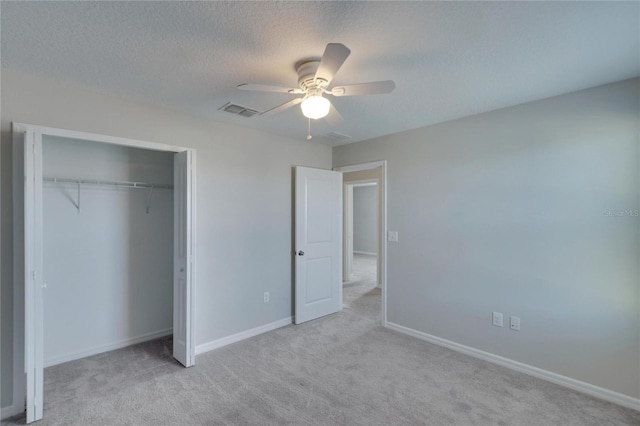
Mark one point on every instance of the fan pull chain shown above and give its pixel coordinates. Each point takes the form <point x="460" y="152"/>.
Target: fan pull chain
<point x="309" y="134"/>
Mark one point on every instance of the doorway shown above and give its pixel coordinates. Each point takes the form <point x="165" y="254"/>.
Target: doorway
<point x="30" y="280"/>
<point x="364" y="245"/>
<point x="361" y="288"/>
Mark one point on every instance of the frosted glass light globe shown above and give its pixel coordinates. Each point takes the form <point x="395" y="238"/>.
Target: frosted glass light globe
<point x="315" y="107"/>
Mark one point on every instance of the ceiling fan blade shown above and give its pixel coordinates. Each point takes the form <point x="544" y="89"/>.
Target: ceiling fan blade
<point x="282" y="107"/>
<point x="334" y="118"/>
<point x="334" y="56"/>
<point x="269" y="88"/>
<point x="373" y="88"/>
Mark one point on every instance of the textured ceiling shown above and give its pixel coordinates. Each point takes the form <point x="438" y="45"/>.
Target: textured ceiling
<point x="448" y="59"/>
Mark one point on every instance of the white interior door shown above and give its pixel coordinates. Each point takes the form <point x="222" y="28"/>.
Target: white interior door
<point x="183" y="344"/>
<point x="318" y="243"/>
<point x="33" y="265"/>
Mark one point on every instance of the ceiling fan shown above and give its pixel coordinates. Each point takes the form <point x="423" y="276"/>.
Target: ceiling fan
<point x="314" y="78"/>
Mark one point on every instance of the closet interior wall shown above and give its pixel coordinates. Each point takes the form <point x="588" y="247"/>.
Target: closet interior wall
<point x="108" y="263"/>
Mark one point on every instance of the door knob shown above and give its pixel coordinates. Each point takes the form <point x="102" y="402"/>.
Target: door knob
<point x="300" y="253"/>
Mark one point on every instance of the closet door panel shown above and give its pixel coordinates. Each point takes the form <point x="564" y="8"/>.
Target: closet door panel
<point x="183" y="348"/>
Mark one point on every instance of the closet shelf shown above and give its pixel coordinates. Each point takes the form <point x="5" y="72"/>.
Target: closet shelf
<point x="122" y="184"/>
<point x="115" y="183"/>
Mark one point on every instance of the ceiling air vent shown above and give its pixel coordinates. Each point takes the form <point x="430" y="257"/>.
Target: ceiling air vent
<point x="335" y="136"/>
<point x="238" y="110"/>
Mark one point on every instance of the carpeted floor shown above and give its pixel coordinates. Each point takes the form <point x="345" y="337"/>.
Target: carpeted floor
<point x="360" y="292"/>
<point x="343" y="369"/>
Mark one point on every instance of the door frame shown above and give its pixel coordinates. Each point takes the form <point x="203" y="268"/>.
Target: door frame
<point x="347" y="220"/>
<point x="347" y="190"/>
<point x="34" y="286"/>
<point x="382" y="232"/>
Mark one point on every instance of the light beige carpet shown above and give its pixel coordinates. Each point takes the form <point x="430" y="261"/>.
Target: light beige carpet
<point x="343" y="369"/>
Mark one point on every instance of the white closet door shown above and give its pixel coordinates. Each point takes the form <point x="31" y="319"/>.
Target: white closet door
<point x="183" y="344"/>
<point x="318" y="243"/>
<point x="33" y="305"/>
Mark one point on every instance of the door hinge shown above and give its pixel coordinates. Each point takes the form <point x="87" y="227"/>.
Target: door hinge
<point x="35" y="275"/>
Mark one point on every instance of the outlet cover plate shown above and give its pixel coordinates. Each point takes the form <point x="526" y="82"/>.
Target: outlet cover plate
<point x="514" y="323"/>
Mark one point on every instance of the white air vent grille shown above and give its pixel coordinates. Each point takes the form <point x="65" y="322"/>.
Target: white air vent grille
<point x="239" y="110"/>
<point x="335" y="136"/>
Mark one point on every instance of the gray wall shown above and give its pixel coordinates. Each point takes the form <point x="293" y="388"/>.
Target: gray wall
<point x="365" y="219"/>
<point x="108" y="266"/>
<point x="517" y="211"/>
<point x="243" y="200"/>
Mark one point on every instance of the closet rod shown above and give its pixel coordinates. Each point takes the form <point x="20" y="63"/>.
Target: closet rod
<point x="122" y="184"/>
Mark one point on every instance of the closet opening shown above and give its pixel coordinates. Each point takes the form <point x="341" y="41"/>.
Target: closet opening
<point x="107" y="257"/>
<point x="104" y="294"/>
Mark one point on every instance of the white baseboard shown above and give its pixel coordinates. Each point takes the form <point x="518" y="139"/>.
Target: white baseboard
<point x="365" y="252"/>
<point x="218" y="343"/>
<point x="9" y="411"/>
<point x="119" y="344"/>
<point x="589" y="389"/>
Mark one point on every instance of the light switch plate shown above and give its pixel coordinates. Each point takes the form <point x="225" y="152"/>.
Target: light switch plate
<point x="497" y="319"/>
<point x="392" y="236"/>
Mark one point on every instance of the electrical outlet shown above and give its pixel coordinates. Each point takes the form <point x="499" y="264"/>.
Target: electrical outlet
<point x="497" y="319"/>
<point x="266" y="296"/>
<point x="515" y="323"/>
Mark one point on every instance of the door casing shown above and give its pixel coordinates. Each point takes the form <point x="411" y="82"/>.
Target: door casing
<point x="347" y="235"/>
<point x="382" y="232"/>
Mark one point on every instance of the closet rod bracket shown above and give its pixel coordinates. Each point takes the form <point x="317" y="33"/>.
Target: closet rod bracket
<point x="78" y="204"/>
<point x="149" y="198"/>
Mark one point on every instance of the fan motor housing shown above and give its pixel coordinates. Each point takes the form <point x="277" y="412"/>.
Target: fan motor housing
<point x="306" y="77"/>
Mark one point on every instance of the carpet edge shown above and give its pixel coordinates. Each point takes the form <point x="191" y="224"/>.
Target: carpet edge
<point x="568" y="382"/>
<point x="224" y="341"/>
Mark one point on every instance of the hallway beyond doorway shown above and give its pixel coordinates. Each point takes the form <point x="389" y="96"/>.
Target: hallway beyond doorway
<point x="361" y="293"/>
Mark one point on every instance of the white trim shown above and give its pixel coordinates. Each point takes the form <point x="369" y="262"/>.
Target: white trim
<point x="94" y="137"/>
<point x="9" y="411"/>
<point x="192" y="281"/>
<point x="382" y="279"/>
<point x="347" y="231"/>
<point x="362" y="182"/>
<point x="358" y="184"/>
<point x="118" y="344"/>
<point x="363" y="166"/>
<point x="577" y="385"/>
<point x="19" y="376"/>
<point x="224" y="341"/>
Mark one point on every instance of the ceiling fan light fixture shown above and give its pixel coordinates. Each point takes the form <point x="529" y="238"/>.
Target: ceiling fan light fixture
<point x="315" y="107"/>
